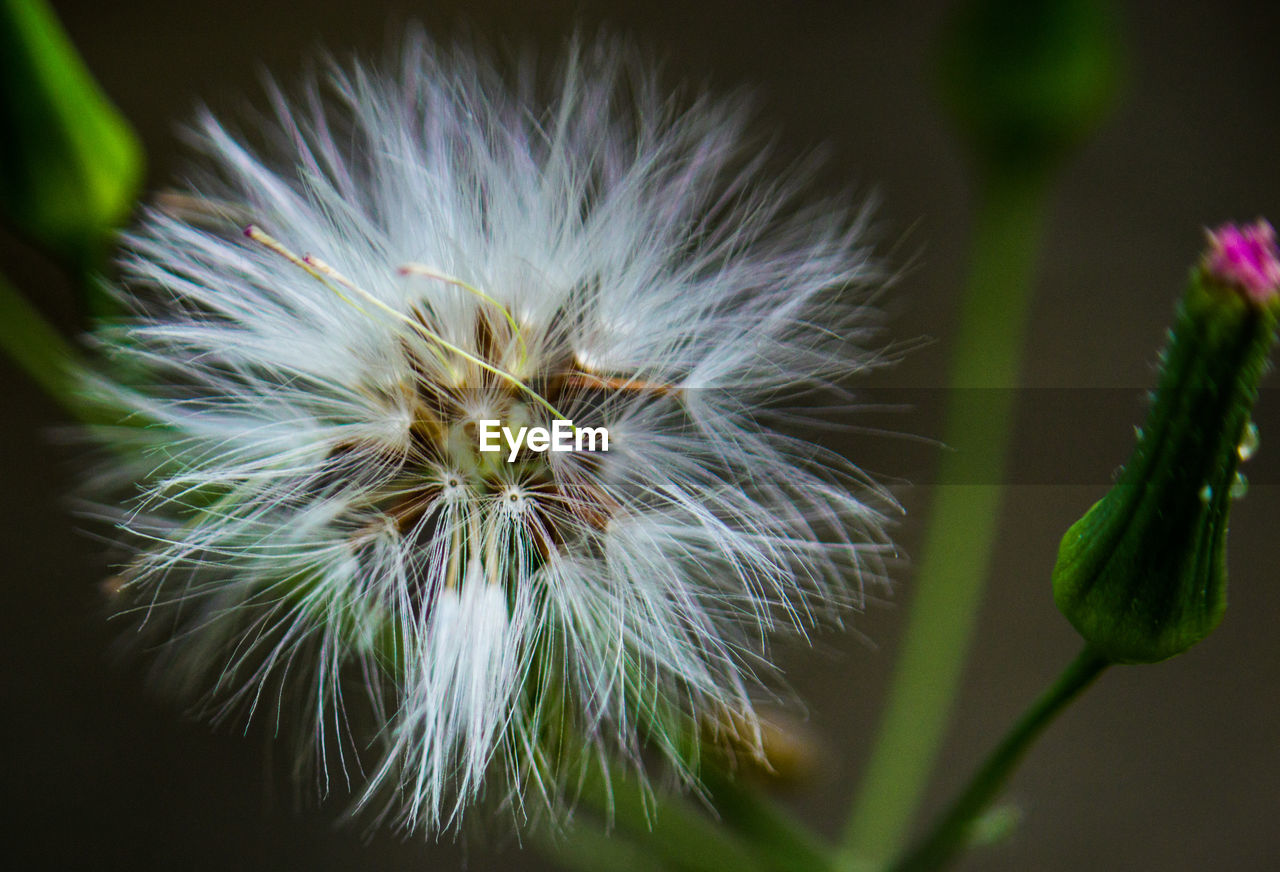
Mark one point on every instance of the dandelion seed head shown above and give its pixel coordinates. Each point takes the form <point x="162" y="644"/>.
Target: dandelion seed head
<point x="317" y="328"/>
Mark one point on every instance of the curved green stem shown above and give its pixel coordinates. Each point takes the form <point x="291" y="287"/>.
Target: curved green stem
<point x="958" y="546"/>
<point x="950" y="835"/>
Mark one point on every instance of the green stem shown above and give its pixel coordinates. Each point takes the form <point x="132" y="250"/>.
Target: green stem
<point x="950" y="835"/>
<point x="663" y="831"/>
<point x="588" y="849"/>
<point x="787" y="844"/>
<point x="37" y="348"/>
<point x="957" y="550"/>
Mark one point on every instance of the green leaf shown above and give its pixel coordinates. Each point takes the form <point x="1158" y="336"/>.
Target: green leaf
<point x="70" y="165"/>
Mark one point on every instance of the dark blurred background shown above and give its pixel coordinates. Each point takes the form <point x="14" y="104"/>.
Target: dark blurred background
<point x="1173" y="767"/>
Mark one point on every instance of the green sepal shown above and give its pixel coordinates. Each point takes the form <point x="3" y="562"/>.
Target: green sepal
<point x="1142" y="576"/>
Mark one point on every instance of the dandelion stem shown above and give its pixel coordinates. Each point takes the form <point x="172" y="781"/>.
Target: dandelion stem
<point x="589" y="850"/>
<point x="785" y="842"/>
<point x="950" y="835"/>
<point x="958" y="544"/>
<point x="671" y="832"/>
<point x="37" y="348"/>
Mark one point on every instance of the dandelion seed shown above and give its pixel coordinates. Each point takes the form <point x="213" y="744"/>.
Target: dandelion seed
<point x="317" y="533"/>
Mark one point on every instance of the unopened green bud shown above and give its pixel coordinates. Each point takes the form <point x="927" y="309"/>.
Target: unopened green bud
<point x="1028" y="82"/>
<point x="70" y="165"/>
<point x="1142" y="576"/>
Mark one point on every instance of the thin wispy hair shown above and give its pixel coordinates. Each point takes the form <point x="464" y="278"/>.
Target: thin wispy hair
<point x="315" y="326"/>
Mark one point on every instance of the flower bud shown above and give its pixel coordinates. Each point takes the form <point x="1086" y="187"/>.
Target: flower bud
<point x="1142" y="576"/>
<point x="69" y="164"/>
<point x="1028" y="82"/>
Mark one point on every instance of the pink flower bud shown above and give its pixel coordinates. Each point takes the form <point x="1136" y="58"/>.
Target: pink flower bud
<point x="1246" y="257"/>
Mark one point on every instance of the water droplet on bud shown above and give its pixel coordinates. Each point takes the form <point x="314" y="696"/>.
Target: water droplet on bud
<point x="1248" y="442"/>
